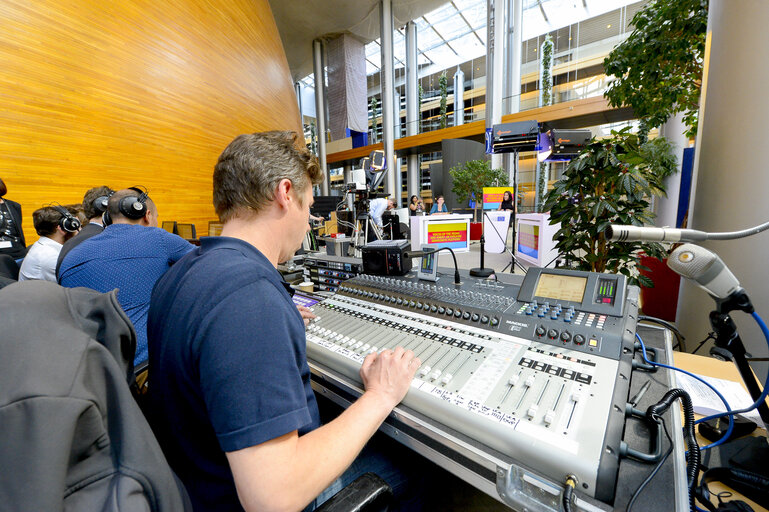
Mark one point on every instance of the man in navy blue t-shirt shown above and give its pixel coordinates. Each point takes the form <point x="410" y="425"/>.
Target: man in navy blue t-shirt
<point x="130" y="254"/>
<point x="230" y="388"/>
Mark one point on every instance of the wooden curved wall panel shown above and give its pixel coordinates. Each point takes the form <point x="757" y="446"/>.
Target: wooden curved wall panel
<point x="134" y="93"/>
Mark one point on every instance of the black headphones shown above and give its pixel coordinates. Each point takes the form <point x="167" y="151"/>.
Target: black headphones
<point x="101" y="202"/>
<point x="134" y="207"/>
<point x="68" y="222"/>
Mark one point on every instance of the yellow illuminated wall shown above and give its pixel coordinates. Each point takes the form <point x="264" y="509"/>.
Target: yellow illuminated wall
<point x="134" y="93"/>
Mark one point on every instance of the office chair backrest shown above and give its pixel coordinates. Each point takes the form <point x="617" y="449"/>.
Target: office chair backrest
<point x="170" y="226"/>
<point x="73" y="437"/>
<point x="214" y="228"/>
<point x="186" y="231"/>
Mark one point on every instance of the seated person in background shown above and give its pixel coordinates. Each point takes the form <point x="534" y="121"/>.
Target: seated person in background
<point x="416" y="206"/>
<point x="507" y="201"/>
<point x="233" y="407"/>
<point x="439" y="206"/>
<point x="55" y="225"/>
<point x="11" y="235"/>
<point x="377" y="207"/>
<point x="130" y="254"/>
<point x="94" y="206"/>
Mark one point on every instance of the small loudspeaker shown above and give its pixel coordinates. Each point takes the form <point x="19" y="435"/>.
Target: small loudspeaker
<point x="386" y="258"/>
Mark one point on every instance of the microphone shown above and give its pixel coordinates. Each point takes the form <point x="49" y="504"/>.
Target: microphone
<point x="622" y="233"/>
<point x="704" y="268"/>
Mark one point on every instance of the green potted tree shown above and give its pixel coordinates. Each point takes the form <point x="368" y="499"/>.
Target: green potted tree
<point x="469" y="179"/>
<point x="610" y="182"/>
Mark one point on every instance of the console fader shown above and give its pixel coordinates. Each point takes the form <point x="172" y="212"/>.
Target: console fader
<point x="539" y="372"/>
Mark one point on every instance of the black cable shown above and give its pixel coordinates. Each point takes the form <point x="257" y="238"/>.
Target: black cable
<point x="654" y="413"/>
<point x="568" y="492"/>
<point x="711" y="336"/>
<point x="456" y="267"/>
<point x="667" y="325"/>
<point x="654" y="471"/>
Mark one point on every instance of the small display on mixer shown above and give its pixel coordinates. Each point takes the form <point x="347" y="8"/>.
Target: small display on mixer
<point x="561" y="287"/>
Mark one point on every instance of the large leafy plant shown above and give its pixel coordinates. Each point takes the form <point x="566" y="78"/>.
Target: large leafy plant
<point x="659" y="66"/>
<point x="470" y="178"/>
<point x="610" y="182"/>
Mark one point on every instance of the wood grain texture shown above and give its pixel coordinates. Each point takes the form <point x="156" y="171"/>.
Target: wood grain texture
<point x="134" y="93"/>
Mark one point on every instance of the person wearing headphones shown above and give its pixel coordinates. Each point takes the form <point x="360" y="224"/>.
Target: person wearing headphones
<point x="55" y="225"/>
<point x="94" y="206"/>
<point x="130" y="254"/>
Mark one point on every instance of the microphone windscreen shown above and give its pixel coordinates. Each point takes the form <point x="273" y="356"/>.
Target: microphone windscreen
<point x="691" y="261"/>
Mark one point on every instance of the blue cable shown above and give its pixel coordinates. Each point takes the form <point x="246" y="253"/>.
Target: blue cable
<point x="731" y="419"/>
<point x="765" y="391"/>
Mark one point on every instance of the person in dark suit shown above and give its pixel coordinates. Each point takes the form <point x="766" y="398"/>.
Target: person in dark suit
<point x="94" y="205"/>
<point x="11" y="233"/>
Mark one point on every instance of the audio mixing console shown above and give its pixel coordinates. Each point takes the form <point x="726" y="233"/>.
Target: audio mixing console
<point x="538" y="372"/>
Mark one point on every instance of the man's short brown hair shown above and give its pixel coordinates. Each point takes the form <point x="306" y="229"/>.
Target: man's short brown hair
<point x="90" y="196"/>
<point x="251" y="167"/>
<point x="47" y="218"/>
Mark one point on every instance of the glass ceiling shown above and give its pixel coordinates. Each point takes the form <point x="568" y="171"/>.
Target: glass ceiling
<point x="456" y="32"/>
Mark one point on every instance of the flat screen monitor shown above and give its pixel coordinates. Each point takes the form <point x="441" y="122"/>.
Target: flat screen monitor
<point x="528" y="239"/>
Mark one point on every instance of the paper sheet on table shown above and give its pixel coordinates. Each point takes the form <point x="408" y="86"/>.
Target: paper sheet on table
<point x="706" y="402"/>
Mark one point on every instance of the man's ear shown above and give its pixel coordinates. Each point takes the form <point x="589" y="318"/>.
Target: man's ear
<point x="283" y="193"/>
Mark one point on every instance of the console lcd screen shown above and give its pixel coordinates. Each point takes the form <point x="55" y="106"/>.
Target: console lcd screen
<point x="560" y="287"/>
<point x="307" y="301"/>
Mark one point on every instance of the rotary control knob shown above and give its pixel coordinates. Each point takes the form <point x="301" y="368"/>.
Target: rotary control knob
<point x="457" y="313"/>
<point x="449" y="311"/>
<point x="552" y="334"/>
<point x="441" y="310"/>
<point x="540" y="331"/>
<point x="476" y="317"/>
<point x="565" y="336"/>
<point x="579" y="339"/>
<point x="433" y="308"/>
<point x="494" y="322"/>
<point x="426" y="307"/>
<point x="484" y="319"/>
<point x="466" y="315"/>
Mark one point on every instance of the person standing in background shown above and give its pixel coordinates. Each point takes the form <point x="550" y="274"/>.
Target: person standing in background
<point x="11" y="234"/>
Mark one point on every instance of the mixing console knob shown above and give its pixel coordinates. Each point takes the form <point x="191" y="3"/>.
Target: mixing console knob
<point x="540" y="331"/>
<point x="476" y="317"/>
<point x="426" y="307"/>
<point x="532" y="411"/>
<point x="457" y="313"/>
<point x="552" y="334"/>
<point x="399" y="300"/>
<point x="433" y="308"/>
<point x="441" y="310"/>
<point x="484" y="319"/>
<point x="435" y="374"/>
<point x="424" y="371"/>
<point x="419" y="305"/>
<point x="565" y="336"/>
<point x="549" y="417"/>
<point x="494" y="321"/>
<point x="576" y="395"/>
<point x="579" y="339"/>
<point x="365" y="347"/>
<point x="446" y="379"/>
<point x="449" y="311"/>
<point x="466" y="315"/>
<point x="513" y="380"/>
<point x="412" y="303"/>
